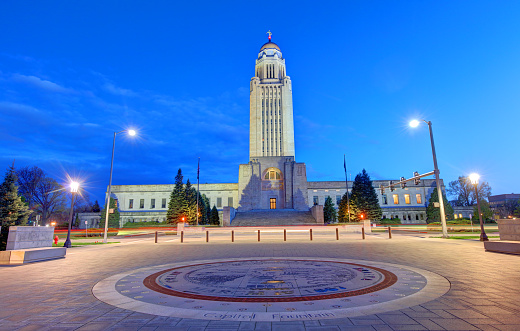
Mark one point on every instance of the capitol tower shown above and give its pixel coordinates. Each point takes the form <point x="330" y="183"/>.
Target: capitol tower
<point x="272" y="179"/>
<point x="271" y="109"/>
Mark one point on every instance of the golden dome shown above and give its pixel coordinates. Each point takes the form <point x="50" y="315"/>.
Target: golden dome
<point x="269" y="45"/>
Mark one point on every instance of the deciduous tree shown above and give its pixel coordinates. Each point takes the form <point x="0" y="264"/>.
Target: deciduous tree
<point x="44" y="194"/>
<point x="487" y="213"/>
<point x="464" y="192"/>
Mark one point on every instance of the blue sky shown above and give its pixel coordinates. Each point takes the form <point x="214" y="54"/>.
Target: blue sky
<point x="73" y="72"/>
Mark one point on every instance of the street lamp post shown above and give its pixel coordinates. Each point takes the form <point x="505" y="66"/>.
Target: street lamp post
<point x="73" y="189"/>
<point x="130" y="133"/>
<point x="414" y="124"/>
<point x="474" y="180"/>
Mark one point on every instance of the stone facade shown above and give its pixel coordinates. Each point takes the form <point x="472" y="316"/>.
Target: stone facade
<point x="272" y="179"/>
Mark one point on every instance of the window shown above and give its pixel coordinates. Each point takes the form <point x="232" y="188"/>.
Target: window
<point x="338" y="199"/>
<point x="152" y="204"/>
<point x="130" y="203"/>
<point x="230" y="202"/>
<point x="396" y="199"/>
<point x="272" y="203"/>
<point x="419" y="198"/>
<point x="219" y="202"/>
<point x="141" y="203"/>
<point x="416" y="217"/>
<point x="163" y="203"/>
<point x="385" y="200"/>
<point x="407" y="199"/>
<point x="315" y="200"/>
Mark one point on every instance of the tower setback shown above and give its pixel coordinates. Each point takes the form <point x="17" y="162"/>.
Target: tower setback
<point x="271" y="108"/>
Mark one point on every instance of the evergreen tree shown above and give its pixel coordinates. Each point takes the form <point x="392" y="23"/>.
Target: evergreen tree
<point x="95" y="207"/>
<point x="207" y="205"/>
<point x="191" y="203"/>
<point x="433" y="214"/>
<point x="13" y="211"/>
<point x="76" y="223"/>
<point x="343" y="208"/>
<point x="329" y="212"/>
<point x="177" y="204"/>
<point x="214" y="219"/>
<point x="113" y="218"/>
<point x="364" y="203"/>
<point x="203" y="209"/>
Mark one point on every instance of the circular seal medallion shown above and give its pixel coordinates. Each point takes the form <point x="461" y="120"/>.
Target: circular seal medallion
<point x="282" y="280"/>
<point x="271" y="289"/>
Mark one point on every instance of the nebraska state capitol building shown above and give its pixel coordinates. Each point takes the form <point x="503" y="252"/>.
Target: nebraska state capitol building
<point x="272" y="179"/>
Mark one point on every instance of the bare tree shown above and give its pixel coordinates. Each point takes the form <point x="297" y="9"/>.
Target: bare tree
<point x="28" y="181"/>
<point x="464" y="191"/>
<point x="42" y="193"/>
<point x="51" y="198"/>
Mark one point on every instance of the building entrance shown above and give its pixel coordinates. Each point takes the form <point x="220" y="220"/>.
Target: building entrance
<point x="272" y="203"/>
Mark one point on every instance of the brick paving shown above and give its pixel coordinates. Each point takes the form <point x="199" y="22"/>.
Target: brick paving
<point x="56" y="295"/>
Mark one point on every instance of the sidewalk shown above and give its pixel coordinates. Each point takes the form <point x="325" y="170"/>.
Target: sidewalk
<point x="57" y="294"/>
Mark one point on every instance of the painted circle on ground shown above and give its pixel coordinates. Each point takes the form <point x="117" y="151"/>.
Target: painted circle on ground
<point x="271" y="289"/>
<point x="284" y="280"/>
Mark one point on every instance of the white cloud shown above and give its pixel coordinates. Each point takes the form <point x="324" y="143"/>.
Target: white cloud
<point x="41" y="83"/>
<point x="111" y="88"/>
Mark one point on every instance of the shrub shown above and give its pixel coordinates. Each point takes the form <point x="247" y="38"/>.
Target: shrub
<point x="386" y="221"/>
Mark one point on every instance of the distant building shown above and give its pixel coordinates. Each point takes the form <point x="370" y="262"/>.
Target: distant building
<point x="504" y="205"/>
<point x="272" y="179"/>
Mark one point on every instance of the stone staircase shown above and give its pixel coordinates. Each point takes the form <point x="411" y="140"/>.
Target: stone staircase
<point x="273" y="217"/>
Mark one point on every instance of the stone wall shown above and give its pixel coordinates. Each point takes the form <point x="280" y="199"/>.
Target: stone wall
<point x="509" y="229"/>
<point x="26" y="237"/>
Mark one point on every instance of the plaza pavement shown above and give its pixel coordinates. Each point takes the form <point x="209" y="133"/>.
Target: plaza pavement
<point x="56" y="295"/>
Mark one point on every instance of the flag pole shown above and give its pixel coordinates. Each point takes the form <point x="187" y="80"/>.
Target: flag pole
<point x="198" y="171"/>
<point x="346" y="182"/>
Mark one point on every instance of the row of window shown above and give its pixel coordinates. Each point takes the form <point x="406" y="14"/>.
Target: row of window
<point x="407" y="199"/>
<point x="163" y="203"/>
<point x="407" y="217"/>
<point x="141" y="203"/>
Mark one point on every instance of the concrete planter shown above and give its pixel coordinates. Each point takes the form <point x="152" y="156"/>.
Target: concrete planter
<point x="509" y="229"/>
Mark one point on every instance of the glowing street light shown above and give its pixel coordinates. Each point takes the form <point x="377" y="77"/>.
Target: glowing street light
<point x="74" y="186"/>
<point x="414" y="124"/>
<point x="130" y="133"/>
<point x="473" y="178"/>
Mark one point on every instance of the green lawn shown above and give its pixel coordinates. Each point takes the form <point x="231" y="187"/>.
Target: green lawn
<point x="85" y="244"/>
<point x="466" y="237"/>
